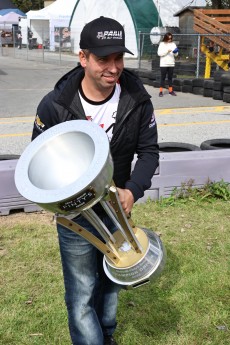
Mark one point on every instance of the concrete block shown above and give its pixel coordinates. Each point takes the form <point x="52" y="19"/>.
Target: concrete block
<point x="176" y="168"/>
<point x="10" y="199"/>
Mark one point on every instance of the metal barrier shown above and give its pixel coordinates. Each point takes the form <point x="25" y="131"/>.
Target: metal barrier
<point x="10" y="199"/>
<point x="178" y="168"/>
<point x="175" y="169"/>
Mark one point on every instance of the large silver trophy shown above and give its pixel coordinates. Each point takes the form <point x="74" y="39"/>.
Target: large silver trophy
<point x="67" y="170"/>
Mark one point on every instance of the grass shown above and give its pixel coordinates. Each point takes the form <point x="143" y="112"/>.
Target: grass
<point x="188" y="305"/>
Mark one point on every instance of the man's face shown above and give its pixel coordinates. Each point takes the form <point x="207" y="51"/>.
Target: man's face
<point x="102" y="72"/>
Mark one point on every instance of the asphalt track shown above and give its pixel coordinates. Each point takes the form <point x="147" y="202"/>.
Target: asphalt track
<point x="186" y="118"/>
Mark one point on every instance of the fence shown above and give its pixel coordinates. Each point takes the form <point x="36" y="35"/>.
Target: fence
<point x="57" y="47"/>
<point x="190" y="61"/>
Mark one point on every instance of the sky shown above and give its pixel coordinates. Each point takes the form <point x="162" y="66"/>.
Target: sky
<point x="193" y="2"/>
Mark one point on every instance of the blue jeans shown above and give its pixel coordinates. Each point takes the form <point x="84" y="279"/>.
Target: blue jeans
<point x="91" y="298"/>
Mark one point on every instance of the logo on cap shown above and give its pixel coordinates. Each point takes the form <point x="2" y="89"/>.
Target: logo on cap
<point x="107" y="35"/>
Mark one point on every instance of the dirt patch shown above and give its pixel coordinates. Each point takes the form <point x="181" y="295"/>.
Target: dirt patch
<point x="41" y="217"/>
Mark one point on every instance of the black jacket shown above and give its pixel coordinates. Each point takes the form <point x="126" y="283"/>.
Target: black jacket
<point x="135" y="130"/>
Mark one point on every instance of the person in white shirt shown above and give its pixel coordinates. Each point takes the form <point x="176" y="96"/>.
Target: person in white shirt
<point x="167" y="51"/>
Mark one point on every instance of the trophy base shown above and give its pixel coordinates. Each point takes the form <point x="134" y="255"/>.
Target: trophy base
<point x="136" y="269"/>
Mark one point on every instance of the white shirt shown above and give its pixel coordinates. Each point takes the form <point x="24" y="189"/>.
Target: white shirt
<point x="166" y="59"/>
<point x="103" y="113"/>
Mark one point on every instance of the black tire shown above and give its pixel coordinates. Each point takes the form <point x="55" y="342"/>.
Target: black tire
<point x="226" y="89"/>
<point x="8" y="157"/>
<point x="198" y="82"/>
<point x="187" y="82"/>
<point x="144" y="80"/>
<point x="217" y="95"/>
<point x="226" y="97"/>
<point x="215" y="144"/>
<point x="133" y="70"/>
<point x="225" y="78"/>
<point x="152" y="75"/>
<point x="143" y="73"/>
<point x="217" y="86"/>
<point x="186" y="88"/>
<point x="177" y="147"/>
<point x="178" y="82"/>
<point x="208" y="83"/>
<point x="217" y="75"/>
<point x="156" y="83"/>
<point x="177" y="87"/>
<point x="147" y="81"/>
<point x="196" y="90"/>
<point x="208" y="93"/>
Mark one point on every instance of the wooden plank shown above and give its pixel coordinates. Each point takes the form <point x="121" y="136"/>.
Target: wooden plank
<point x="211" y="21"/>
<point x="210" y="12"/>
<point x="223" y="19"/>
<point x="212" y="38"/>
<point x="205" y="24"/>
<point x="211" y="29"/>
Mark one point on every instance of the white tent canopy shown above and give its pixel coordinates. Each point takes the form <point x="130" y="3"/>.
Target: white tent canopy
<point x="44" y="22"/>
<point x="135" y="16"/>
<point x="10" y="18"/>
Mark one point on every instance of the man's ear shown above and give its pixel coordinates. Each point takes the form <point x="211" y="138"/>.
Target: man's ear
<point x="82" y="58"/>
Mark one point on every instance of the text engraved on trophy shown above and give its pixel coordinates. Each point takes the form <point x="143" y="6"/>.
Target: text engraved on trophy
<point x="78" y="201"/>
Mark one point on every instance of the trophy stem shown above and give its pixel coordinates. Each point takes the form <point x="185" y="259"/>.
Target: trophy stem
<point x="111" y="213"/>
<point x="96" y="242"/>
<point x="93" y="218"/>
<point x="123" y="220"/>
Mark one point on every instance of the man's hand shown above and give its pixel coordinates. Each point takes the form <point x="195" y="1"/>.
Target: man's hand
<point x="126" y="199"/>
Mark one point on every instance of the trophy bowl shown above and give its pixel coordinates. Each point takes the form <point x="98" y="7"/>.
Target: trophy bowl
<point x="136" y="269"/>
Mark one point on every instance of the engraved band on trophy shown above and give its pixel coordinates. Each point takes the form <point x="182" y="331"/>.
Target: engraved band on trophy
<point x="67" y="170"/>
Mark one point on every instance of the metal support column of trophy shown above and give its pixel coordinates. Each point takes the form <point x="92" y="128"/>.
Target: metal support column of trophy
<point x="67" y="170"/>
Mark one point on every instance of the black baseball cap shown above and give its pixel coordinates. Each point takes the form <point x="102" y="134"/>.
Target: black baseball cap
<point x="103" y="36"/>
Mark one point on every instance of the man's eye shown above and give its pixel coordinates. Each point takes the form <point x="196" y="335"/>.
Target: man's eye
<point x="102" y="59"/>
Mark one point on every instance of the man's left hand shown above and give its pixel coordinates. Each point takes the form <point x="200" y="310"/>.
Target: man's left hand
<point x="126" y="199"/>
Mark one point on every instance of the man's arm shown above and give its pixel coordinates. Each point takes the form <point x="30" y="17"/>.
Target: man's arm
<point x="147" y="154"/>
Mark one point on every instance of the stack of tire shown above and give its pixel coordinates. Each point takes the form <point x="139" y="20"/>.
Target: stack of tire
<point x="187" y="86"/>
<point x="221" y="86"/>
<point x="212" y="144"/>
<point x="215" y="144"/>
<point x="225" y="80"/>
<point x="198" y="86"/>
<point x="147" y="77"/>
<point x="177" y="84"/>
<point x="208" y="87"/>
<point x="177" y="147"/>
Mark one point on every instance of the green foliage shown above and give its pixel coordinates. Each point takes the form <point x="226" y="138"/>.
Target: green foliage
<point x="218" y="4"/>
<point x="209" y="192"/>
<point x="27" y="5"/>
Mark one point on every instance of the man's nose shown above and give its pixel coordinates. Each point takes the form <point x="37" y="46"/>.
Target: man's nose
<point x="112" y="66"/>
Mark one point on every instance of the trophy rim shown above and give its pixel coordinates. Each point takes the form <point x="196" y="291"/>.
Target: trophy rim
<point x="48" y="196"/>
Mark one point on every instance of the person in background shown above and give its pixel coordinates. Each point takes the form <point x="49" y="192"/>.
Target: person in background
<point x="19" y="37"/>
<point x="167" y="51"/>
<point x="99" y="89"/>
<point x="30" y="38"/>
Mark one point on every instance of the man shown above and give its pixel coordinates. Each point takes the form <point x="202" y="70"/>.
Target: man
<point x="100" y="90"/>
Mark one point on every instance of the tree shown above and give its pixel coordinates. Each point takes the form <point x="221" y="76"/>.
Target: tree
<point x="27" y="5"/>
<point x="218" y="4"/>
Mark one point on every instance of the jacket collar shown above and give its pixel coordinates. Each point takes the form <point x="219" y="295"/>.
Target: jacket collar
<point x="132" y="89"/>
